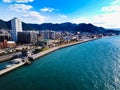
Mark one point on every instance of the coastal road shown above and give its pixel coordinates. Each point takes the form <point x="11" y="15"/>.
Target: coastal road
<point x="8" y="56"/>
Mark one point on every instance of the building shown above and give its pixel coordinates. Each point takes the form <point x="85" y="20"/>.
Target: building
<point x="7" y="44"/>
<point x="4" y="35"/>
<point x="40" y="36"/>
<point x="49" y="34"/>
<point x="46" y="43"/>
<point x="4" y="40"/>
<point x="16" y="27"/>
<point x="27" y="37"/>
<point x="52" y="35"/>
<point x="11" y="44"/>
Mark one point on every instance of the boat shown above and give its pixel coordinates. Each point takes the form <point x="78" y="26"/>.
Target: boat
<point x="17" y="60"/>
<point x="8" y="66"/>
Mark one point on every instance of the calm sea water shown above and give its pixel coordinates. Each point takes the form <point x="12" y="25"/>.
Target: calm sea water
<point x="93" y="65"/>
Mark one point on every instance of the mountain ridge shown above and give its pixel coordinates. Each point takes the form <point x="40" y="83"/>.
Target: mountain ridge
<point x="67" y="26"/>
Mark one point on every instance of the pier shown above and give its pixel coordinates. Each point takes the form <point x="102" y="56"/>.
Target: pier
<point x="11" y="68"/>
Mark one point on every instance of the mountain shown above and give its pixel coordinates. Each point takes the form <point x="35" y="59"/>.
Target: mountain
<point x="3" y="24"/>
<point x="59" y="27"/>
<point x="89" y="28"/>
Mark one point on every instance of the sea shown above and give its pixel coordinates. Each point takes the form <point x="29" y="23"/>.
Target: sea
<point x="93" y="65"/>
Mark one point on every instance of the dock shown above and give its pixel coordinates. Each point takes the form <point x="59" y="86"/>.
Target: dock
<point x="14" y="66"/>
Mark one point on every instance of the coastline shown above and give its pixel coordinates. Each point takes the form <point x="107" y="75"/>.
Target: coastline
<point x="43" y="53"/>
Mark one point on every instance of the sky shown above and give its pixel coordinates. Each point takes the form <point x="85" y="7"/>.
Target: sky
<point x="104" y="13"/>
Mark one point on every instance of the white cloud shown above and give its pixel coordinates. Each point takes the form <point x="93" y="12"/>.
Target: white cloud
<point x="62" y="16"/>
<point x="110" y="17"/>
<point x="20" y="7"/>
<point x="18" y="1"/>
<point x="115" y="8"/>
<point x="47" y="9"/>
<point x="27" y="14"/>
<point x="34" y="17"/>
<point x="25" y="1"/>
<point x="7" y="1"/>
<point x="115" y="2"/>
<point x="109" y="20"/>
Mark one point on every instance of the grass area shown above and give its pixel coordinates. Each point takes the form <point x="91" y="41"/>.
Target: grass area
<point x="40" y="50"/>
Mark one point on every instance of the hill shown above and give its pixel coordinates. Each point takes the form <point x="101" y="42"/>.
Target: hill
<point x="82" y="27"/>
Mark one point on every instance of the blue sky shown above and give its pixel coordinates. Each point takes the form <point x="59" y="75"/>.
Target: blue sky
<point x="105" y="13"/>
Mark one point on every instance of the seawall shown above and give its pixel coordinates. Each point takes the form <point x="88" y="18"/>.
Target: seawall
<point x="40" y="54"/>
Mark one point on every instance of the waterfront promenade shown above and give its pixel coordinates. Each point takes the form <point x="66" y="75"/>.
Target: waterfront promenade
<point x="40" y="54"/>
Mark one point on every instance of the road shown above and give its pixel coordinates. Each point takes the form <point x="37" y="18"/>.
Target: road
<point x="8" y="56"/>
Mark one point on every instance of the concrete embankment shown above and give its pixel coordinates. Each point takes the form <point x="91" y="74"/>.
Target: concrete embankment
<point x="75" y="43"/>
<point x="38" y="55"/>
<point x="11" y="68"/>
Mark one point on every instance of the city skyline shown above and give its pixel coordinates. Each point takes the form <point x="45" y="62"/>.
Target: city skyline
<point x="103" y="13"/>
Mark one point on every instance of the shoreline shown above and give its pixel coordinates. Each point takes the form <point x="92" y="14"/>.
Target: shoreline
<point x="43" y="53"/>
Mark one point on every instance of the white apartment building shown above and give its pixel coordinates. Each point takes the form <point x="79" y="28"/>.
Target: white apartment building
<point x="16" y="27"/>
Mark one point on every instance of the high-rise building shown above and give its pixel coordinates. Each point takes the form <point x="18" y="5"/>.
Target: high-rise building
<point x="27" y="37"/>
<point x="16" y="27"/>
